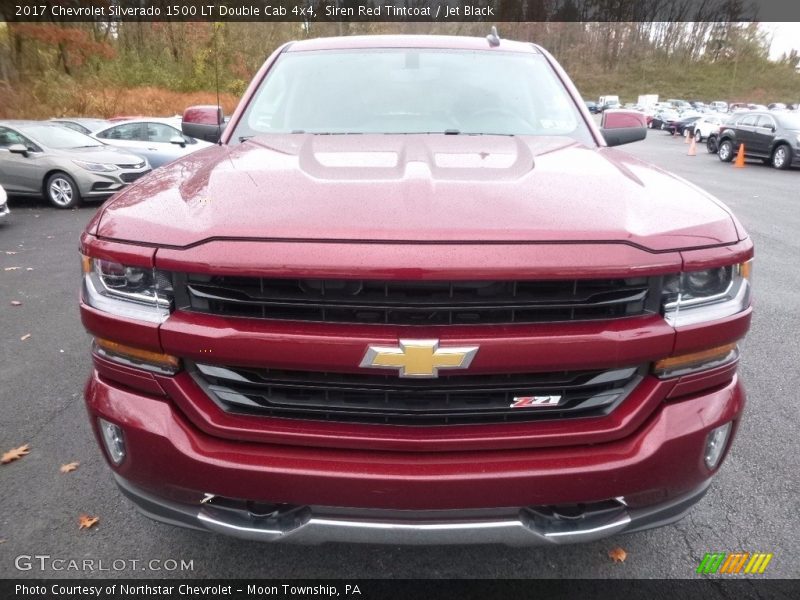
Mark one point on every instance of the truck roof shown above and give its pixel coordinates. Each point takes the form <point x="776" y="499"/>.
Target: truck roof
<point x="410" y="41"/>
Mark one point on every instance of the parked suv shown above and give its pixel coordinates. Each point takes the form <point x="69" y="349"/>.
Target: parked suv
<point x="708" y="129"/>
<point x="413" y="296"/>
<point x="774" y="137"/>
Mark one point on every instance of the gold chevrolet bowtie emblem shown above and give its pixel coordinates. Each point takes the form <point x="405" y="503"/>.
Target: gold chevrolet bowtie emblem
<point x="418" y="358"/>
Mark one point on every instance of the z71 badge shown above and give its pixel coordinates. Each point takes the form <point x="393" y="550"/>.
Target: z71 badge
<point x="534" y="401"/>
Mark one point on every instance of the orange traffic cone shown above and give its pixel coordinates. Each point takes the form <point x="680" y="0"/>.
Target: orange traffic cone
<point x="692" y="148"/>
<point x="739" y="164"/>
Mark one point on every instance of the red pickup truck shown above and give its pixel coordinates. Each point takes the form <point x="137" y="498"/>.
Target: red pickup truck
<point x="413" y="296"/>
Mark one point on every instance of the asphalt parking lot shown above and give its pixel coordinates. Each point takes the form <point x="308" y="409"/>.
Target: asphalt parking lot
<point x="752" y="506"/>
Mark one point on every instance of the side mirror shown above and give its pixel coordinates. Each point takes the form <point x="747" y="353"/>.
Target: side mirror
<point x="204" y="122"/>
<point x="178" y="140"/>
<point x="18" y="149"/>
<point x="623" y="126"/>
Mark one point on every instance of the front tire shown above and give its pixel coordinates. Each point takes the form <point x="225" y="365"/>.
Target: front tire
<point x="62" y="191"/>
<point x="698" y="137"/>
<point x="782" y="157"/>
<point x="725" y="151"/>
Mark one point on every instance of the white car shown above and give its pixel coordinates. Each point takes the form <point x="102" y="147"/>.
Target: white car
<point x="707" y="125"/>
<point x="160" y="141"/>
<point x="4" y="212"/>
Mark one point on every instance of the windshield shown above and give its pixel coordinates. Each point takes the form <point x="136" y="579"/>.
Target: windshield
<point x="59" y="138"/>
<point x="788" y="121"/>
<point x="412" y="91"/>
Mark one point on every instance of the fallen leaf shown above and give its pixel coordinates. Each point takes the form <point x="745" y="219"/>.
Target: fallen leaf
<point x="29" y="269"/>
<point x="16" y="303"/>
<point x="85" y="521"/>
<point x="617" y="554"/>
<point x="14" y="454"/>
<point x="24" y="337"/>
<point x="69" y="467"/>
<point x="10" y="252"/>
<point x="12" y="268"/>
<point x="2" y="541"/>
<point x="49" y="237"/>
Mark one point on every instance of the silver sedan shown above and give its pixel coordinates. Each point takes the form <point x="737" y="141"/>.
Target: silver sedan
<point x="65" y="166"/>
<point x="160" y="141"/>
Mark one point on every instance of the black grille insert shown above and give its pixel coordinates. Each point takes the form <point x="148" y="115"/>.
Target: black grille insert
<point x="417" y="302"/>
<point x="450" y="399"/>
<point x="131" y="177"/>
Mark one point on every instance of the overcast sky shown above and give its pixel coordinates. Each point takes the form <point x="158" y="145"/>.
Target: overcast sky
<point x="785" y="37"/>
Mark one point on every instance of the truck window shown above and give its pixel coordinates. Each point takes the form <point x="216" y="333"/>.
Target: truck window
<point x="412" y="91"/>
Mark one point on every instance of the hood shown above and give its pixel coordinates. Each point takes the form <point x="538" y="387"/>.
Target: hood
<point x="416" y="188"/>
<point x="102" y="154"/>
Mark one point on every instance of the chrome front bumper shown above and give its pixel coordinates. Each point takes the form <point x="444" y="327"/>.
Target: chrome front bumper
<point x="314" y="525"/>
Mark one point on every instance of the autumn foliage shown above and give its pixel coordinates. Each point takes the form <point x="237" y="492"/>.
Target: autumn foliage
<point x="33" y="101"/>
<point x="14" y="454"/>
<point x="73" y="46"/>
<point x="158" y="68"/>
<point x="87" y="522"/>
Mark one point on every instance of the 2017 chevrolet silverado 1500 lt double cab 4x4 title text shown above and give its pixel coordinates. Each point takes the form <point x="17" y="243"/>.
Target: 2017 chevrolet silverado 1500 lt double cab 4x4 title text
<point x="413" y="296"/>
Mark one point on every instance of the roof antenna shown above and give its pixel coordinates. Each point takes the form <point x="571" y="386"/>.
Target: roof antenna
<point x="493" y="38"/>
<point x="216" y="84"/>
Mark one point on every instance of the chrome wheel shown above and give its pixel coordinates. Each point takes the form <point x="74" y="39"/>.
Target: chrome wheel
<point x="780" y="158"/>
<point x="725" y="151"/>
<point x="62" y="191"/>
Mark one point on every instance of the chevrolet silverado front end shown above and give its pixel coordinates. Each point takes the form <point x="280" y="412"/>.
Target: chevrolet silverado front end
<point x="412" y="296"/>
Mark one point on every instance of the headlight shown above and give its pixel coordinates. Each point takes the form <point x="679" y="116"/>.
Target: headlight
<point x="134" y="292"/>
<point x="96" y="167"/>
<point x="698" y="296"/>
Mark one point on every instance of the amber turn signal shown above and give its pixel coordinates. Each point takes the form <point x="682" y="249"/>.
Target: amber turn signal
<point x="86" y="263"/>
<point x="137" y="357"/>
<point x="696" y="361"/>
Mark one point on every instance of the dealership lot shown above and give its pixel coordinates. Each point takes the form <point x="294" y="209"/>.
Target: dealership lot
<point x="752" y="506"/>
